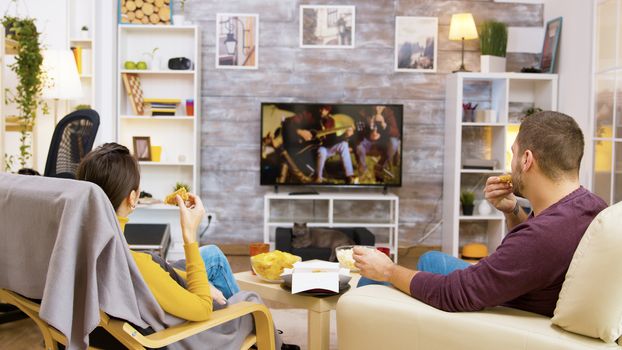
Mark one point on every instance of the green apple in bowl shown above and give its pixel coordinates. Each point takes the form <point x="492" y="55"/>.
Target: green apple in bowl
<point x="142" y="65"/>
<point x="129" y="65"/>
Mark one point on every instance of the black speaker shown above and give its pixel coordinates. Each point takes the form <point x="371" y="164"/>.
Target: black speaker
<point x="179" y="63"/>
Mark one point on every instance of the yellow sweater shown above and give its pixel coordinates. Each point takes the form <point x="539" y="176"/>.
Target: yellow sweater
<point x="193" y="303"/>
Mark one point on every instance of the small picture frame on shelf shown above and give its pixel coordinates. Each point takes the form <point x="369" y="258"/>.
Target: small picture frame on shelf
<point x="548" y="58"/>
<point x="142" y="147"/>
<point x="327" y="26"/>
<point x="145" y="12"/>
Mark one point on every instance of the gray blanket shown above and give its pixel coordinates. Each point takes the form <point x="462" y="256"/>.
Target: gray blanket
<point x="60" y="242"/>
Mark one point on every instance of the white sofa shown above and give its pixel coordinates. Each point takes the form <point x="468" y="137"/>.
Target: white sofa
<point x="379" y="317"/>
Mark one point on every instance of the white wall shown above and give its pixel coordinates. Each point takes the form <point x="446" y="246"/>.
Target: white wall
<point x="574" y="66"/>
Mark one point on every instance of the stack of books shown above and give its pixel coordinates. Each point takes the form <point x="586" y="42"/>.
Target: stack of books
<point x="162" y="106"/>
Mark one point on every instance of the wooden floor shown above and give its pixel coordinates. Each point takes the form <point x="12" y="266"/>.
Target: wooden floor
<point x="25" y="335"/>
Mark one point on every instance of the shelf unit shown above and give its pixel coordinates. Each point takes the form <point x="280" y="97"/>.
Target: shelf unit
<point x="334" y="214"/>
<point x="2" y="116"/>
<point x="508" y="94"/>
<point x="607" y="102"/>
<point x="82" y="13"/>
<point x="177" y="135"/>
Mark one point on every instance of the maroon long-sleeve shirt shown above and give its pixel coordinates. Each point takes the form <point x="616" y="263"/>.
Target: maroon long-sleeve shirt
<point x="526" y="271"/>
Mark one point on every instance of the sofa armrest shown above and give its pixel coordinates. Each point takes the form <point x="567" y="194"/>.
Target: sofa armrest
<point x="283" y="239"/>
<point x="381" y="317"/>
<point x="363" y="237"/>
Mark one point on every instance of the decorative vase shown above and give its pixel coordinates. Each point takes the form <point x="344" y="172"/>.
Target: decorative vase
<point x="178" y="20"/>
<point x="484" y="208"/>
<point x="467" y="209"/>
<point x="155" y="63"/>
<point x="492" y="64"/>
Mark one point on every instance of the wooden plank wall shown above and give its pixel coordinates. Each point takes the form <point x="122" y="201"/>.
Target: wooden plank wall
<point x="231" y="99"/>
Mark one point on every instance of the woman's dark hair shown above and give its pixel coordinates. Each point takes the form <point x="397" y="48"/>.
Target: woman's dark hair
<point x="112" y="167"/>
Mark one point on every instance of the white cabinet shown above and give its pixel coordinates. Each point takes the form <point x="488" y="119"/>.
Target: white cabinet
<point x="506" y="96"/>
<point x="333" y="210"/>
<point x="177" y="135"/>
<point x="607" y="99"/>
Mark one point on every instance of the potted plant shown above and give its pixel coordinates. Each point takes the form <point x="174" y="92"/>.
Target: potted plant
<point x="84" y="32"/>
<point x="493" y="39"/>
<point x="28" y="67"/>
<point x="467" y="199"/>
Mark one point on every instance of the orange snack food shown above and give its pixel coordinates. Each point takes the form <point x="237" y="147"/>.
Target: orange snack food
<point x="170" y="199"/>
<point x="507" y="178"/>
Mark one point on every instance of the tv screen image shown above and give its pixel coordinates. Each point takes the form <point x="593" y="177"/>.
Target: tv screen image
<point x="331" y="144"/>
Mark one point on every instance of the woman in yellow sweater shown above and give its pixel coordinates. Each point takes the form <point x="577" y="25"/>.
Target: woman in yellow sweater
<point x="184" y="294"/>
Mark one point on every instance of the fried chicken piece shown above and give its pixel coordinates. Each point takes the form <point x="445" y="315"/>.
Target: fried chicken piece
<point x="170" y="199"/>
<point x="507" y="178"/>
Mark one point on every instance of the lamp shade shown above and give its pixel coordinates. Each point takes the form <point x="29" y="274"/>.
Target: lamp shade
<point x="62" y="79"/>
<point x="462" y="26"/>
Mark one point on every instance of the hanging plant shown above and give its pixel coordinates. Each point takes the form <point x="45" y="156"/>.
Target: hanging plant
<point x="28" y="67"/>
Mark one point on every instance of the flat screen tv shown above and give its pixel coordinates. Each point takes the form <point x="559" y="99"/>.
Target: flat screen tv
<point x="318" y="144"/>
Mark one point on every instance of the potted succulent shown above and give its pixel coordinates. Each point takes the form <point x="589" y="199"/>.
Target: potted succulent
<point x="467" y="199"/>
<point x="493" y="39"/>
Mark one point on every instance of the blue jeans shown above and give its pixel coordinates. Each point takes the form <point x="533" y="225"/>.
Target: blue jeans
<point x="218" y="270"/>
<point x="434" y="262"/>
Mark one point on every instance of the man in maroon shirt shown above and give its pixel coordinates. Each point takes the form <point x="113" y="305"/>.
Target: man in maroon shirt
<point x="528" y="269"/>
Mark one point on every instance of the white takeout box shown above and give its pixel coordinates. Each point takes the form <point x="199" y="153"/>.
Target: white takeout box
<point x="316" y="274"/>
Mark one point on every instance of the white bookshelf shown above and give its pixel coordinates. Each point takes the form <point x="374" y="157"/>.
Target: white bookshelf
<point x="82" y="13"/>
<point x="332" y="217"/>
<point x="177" y="135"/>
<point x="507" y="94"/>
<point x="606" y="118"/>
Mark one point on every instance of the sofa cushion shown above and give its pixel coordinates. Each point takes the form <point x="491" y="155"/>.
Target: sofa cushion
<point x="590" y="302"/>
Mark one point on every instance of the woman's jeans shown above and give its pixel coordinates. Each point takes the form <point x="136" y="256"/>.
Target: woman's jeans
<point x="218" y="270"/>
<point x="434" y="262"/>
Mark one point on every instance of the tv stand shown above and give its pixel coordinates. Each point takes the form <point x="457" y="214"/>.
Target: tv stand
<point x="335" y="210"/>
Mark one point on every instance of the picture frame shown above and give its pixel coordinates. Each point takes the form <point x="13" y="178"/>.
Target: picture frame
<point x="327" y="26"/>
<point x="416" y="44"/>
<point x="552" y="33"/>
<point x="142" y="147"/>
<point x="231" y="29"/>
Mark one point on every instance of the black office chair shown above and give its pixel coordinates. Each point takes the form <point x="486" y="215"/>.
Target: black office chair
<point x="73" y="138"/>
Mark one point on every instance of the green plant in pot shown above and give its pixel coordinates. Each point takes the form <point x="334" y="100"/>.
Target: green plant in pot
<point x="467" y="199"/>
<point x="28" y="67"/>
<point x="493" y="41"/>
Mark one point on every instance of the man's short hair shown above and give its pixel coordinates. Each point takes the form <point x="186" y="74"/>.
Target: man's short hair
<point x="556" y="142"/>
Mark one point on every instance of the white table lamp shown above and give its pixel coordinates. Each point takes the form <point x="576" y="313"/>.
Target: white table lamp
<point x="462" y="27"/>
<point x="62" y="79"/>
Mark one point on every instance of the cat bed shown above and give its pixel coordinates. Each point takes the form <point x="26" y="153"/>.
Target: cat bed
<point x="283" y="242"/>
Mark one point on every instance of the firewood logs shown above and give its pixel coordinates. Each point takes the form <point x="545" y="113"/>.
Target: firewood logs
<point x="146" y="11"/>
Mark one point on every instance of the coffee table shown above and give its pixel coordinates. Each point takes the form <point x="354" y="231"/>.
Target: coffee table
<point x="318" y="308"/>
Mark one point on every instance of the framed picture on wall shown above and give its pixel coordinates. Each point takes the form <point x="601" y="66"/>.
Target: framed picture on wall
<point x="327" y="26"/>
<point x="142" y="147"/>
<point x="416" y="41"/>
<point x="237" y="40"/>
<point x="548" y="59"/>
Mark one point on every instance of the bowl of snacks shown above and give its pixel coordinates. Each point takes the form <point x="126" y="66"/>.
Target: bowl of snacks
<point x="344" y="256"/>
<point x="269" y="266"/>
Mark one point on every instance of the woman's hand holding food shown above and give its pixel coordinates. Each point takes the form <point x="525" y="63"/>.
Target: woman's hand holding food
<point x="190" y="217"/>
